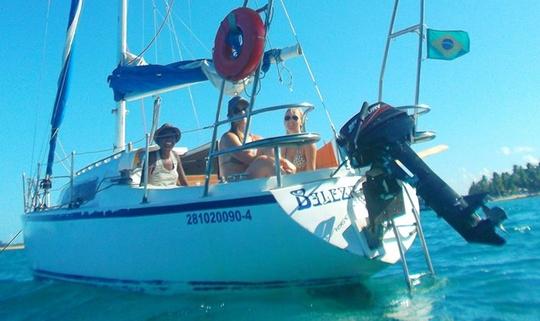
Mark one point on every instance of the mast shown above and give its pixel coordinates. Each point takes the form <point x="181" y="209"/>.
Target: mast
<point x="120" y="110"/>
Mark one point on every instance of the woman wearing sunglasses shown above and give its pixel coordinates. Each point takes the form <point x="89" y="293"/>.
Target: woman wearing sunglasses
<point x="303" y="157"/>
<point x="251" y="163"/>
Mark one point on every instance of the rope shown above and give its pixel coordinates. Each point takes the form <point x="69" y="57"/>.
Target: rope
<point x="157" y="33"/>
<point x="311" y="75"/>
<point x="66" y="156"/>
<point x="9" y="243"/>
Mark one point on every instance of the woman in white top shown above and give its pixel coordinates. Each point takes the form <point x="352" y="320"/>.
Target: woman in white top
<point x="304" y="156"/>
<point x="165" y="167"/>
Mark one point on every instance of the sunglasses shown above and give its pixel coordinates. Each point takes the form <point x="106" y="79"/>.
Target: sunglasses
<point x="294" y="117"/>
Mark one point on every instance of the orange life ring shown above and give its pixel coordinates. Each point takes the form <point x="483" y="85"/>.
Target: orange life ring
<point x="239" y="44"/>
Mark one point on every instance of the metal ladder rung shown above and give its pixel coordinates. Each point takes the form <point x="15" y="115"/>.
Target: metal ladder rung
<point x="405" y="31"/>
<point x="412" y="280"/>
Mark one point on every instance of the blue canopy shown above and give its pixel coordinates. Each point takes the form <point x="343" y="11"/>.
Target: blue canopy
<point x="136" y="79"/>
<point x="131" y="82"/>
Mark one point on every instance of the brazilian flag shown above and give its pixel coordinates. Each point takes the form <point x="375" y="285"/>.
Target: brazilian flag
<point x="446" y="45"/>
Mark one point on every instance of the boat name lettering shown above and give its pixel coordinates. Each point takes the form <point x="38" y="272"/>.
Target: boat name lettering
<point x="322" y="197"/>
<point x="217" y="217"/>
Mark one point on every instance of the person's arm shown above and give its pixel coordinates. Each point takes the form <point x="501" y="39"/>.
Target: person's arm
<point x="230" y="140"/>
<point x="182" y="179"/>
<point x="311" y="157"/>
<point x="262" y="151"/>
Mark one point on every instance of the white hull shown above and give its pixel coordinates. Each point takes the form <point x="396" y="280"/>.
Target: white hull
<point x="234" y="238"/>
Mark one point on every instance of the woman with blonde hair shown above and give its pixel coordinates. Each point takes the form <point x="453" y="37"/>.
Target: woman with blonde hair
<point x="304" y="156"/>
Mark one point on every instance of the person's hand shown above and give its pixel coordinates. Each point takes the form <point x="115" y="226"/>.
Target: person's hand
<point x="287" y="166"/>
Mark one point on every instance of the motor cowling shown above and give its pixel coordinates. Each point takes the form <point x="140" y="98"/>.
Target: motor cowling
<point x="365" y="136"/>
<point x="378" y="136"/>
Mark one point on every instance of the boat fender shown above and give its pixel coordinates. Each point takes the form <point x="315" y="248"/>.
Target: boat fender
<point x="239" y="44"/>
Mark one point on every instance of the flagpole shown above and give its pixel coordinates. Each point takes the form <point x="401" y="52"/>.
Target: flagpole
<point x="386" y="49"/>
<point x="419" y="60"/>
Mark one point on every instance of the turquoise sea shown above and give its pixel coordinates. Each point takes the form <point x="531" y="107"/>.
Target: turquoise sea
<point x="473" y="282"/>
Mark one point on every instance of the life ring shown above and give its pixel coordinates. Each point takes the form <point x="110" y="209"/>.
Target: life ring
<point x="239" y="44"/>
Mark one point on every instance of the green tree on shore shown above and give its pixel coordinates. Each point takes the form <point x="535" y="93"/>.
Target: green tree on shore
<point x="521" y="180"/>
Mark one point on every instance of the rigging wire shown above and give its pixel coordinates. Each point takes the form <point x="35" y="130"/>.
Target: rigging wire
<point x="62" y="147"/>
<point x="199" y="41"/>
<point x="154" y="38"/>
<point x="311" y="75"/>
<point x="62" y="162"/>
<point x="177" y="42"/>
<point x="142" y="106"/>
<point x="280" y="67"/>
<point x="154" y="10"/>
<point x="40" y="92"/>
<point x="9" y="243"/>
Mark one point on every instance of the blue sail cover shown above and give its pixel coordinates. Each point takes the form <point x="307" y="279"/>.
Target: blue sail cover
<point x="136" y="79"/>
<point x="63" y="81"/>
<point x="131" y="82"/>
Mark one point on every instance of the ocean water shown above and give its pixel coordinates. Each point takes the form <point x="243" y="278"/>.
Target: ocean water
<point x="473" y="282"/>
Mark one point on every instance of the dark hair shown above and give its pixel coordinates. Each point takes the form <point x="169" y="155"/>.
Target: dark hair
<point x="234" y="103"/>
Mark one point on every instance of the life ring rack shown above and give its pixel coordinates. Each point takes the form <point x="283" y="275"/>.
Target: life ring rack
<point x="239" y="44"/>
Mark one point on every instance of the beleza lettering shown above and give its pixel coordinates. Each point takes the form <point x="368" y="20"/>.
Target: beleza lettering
<point x="321" y="197"/>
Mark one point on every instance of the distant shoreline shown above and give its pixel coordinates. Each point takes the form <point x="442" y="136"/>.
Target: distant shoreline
<point x="13" y="247"/>
<point x="514" y="197"/>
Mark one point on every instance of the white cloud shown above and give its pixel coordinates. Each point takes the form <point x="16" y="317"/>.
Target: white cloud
<point x="463" y="181"/>
<point x="485" y="172"/>
<point x="530" y="159"/>
<point x="523" y="149"/>
<point x="506" y="150"/>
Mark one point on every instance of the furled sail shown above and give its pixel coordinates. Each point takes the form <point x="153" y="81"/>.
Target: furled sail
<point x="63" y="81"/>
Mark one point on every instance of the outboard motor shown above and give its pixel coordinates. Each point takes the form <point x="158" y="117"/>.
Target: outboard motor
<point x="378" y="136"/>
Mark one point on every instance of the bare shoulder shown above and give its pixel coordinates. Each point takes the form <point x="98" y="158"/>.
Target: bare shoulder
<point x="228" y="139"/>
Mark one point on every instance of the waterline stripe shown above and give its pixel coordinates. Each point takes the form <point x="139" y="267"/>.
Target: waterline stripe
<point x="196" y="285"/>
<point x="77" y="214"/>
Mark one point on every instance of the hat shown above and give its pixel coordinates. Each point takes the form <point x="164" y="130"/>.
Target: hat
<point x="234" y="103"/>
<point x="167" y="130"/>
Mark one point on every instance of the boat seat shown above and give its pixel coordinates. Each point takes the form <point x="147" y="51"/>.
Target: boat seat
<point x="326" y="156"/>
<point x="196" y="180"/>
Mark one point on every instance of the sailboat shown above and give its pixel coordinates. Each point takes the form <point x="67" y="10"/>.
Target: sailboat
<point x="339" y="224"/>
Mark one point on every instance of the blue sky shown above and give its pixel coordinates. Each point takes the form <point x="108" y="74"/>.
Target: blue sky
<point x="484" y="105"/>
